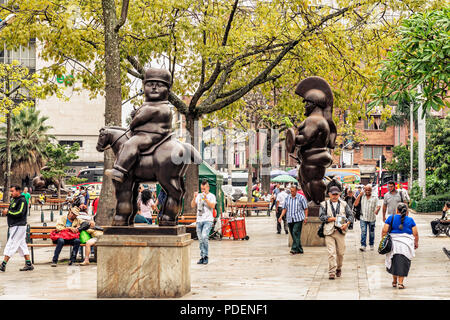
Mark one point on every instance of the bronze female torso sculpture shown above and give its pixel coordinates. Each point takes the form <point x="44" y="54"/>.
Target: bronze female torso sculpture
<point x="314" y="137"/>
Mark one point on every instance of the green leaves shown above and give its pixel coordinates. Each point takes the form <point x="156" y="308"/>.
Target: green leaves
<point x="420" y="61"/>
<point x="58" y="156"/>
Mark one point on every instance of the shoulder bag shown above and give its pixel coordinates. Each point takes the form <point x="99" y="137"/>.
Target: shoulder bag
<point x="386" y="242"/>
<point x="320" y="230"/>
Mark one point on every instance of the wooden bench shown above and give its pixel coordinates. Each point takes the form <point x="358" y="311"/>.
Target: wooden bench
<point x="38" y="232"/>
<point x="247" y="207"/>
<point x="4" y="205"/>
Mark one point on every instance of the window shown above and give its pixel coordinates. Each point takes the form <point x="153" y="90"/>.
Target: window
<point x="70" y="143"/>
<point x="373" y="123"/>
<point x="25" y="55"/>
<point x="372" y="152"/>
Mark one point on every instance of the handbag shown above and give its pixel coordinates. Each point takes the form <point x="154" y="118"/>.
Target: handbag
<point x="385" y="245"/>
<point x="320" y="233"/>
<point x="65" y="234"/>
<point x="84" y="236"/>
<point x="357" y="211"/>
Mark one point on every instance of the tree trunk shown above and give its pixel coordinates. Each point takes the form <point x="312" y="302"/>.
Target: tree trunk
<point x="113" y="107"/>
<point x="59" y="192"/>
<point x="6" y="194"/>
<point x="250" y="170"/>
<point x="266" y="162"/>
<point x="191" y="181"/>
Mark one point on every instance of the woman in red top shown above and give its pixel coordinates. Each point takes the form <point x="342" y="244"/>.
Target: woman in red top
<point x="94" y="206"/>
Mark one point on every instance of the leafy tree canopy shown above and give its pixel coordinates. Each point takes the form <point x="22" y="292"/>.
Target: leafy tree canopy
<point x="218" y="50"/>
<point x="421" y="58"/>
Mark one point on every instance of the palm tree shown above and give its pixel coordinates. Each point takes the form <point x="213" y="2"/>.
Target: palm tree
<point x="28" y="141"/>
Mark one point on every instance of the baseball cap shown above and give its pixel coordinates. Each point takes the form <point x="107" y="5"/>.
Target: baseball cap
<point x="334" y="190"/>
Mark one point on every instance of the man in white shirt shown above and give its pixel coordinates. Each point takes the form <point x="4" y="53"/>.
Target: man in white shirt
<point x="205" y="203"/>
<point x="281" y="198"/>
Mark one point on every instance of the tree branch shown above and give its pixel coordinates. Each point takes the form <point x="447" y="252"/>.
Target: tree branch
<point x="123" y="15"/>
<point x="205" y="87"/>
<point x="178" y="103"/>
<point x="136" y="65"/>
<point x="263" y="74"/>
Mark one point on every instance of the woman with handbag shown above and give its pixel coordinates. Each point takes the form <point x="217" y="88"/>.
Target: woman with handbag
<point x="405" y="239"/>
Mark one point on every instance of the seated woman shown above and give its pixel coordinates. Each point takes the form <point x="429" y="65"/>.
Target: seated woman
<point x="95" y="234"/>
<point x="405" y="240"/>
<point x="146" y="206"/>
<point x="445" y="218"/>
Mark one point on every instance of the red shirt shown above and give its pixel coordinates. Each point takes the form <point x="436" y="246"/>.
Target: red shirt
<point x="94" y="205"/>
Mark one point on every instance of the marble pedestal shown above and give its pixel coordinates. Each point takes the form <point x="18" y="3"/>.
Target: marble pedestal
<point x="309" y="237"/>
<point x="143" y="262"/>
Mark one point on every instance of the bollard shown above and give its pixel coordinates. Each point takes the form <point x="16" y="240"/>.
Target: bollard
<point x="42" y="216"/>
<point x="44" y="225"/>
<point x="60" y="211"/>
<point x="51" y="215"/>
<point x="28" y="234"/>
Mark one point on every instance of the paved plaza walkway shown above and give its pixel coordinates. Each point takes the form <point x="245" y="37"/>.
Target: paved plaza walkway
<point x="260" y="268"/>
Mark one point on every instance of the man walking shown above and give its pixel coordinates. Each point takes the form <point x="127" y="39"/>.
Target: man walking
<point x="296" y="210"/>
<point x="369" y="210"/>
<point x="17" y="223"/>
<point x="391" y="200"/>
<point x="337" y="217"/>
<point x="279" y="201"/>
<point x="205" y="203"/>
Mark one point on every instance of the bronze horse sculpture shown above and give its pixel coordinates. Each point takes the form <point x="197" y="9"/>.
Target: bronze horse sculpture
<point x="165" y="162"/>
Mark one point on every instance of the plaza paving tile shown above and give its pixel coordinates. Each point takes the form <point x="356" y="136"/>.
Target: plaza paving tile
<point x="260" y="268"/>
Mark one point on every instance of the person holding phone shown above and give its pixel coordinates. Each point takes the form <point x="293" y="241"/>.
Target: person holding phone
<point x="205" y="203"/>
<point x="337" y="216"/>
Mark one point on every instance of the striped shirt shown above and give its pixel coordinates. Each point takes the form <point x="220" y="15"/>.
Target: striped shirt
<point x="295" y="208"/>
<point x="368" y="207"/>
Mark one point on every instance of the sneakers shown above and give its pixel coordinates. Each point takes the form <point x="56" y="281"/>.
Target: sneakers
<point x="205" y="260"/>
<point x="331" y="277"/>
<point x="338" y="273"/>
<point x="2" y="268"/>
<point x="362" y="249"/>
<point x="372" y="248"/>
<point x="200" y="261"/>
<point x="71" y="262"/>
<point x="53" y="263"/>
<point x="27" y="268"/>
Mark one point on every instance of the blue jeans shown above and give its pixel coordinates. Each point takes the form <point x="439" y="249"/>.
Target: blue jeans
<point x="203" y="229"/>
<point x="364" y="225"/>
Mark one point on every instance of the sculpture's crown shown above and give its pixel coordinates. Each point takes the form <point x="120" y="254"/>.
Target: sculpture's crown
<point x="316" y="90"/>
<point x="162" y="75"/>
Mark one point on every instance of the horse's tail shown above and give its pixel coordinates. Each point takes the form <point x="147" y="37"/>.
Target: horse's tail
<point x="196" y="158"/>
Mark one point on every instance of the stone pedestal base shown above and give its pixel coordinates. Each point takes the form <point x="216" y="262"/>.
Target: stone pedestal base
<point x="309" y="237"/>
<point x="143" y="265"/>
